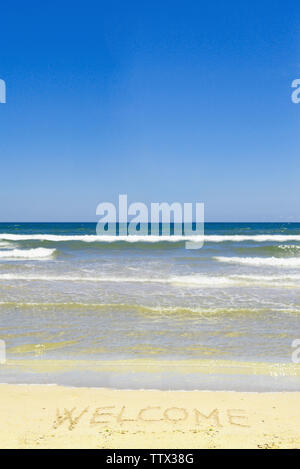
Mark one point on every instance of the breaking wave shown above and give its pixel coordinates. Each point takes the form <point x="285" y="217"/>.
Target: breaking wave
<point x="38" y="253"/>
<point x="262" y="261"/>
<point x="193" y="281"/>
<point x="150" y="238"/>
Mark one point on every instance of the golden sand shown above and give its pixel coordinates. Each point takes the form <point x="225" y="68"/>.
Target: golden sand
<point x="41" y="416"/>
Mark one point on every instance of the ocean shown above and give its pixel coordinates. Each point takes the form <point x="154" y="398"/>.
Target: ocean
<point x="84" y="310"/>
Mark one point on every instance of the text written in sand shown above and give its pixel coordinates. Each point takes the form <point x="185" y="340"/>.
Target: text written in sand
<point x="111" y="415"/>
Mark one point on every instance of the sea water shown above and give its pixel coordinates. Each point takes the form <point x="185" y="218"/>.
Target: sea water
<point x="145" y="312"/>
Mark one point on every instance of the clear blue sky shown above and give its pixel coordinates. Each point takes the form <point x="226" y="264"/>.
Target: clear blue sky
<point x="163" y="100"/>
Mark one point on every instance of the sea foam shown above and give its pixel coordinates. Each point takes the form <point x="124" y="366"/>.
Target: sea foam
<point x="38" y="253"/>
<point x="150" y="238"/>
<point x="262" y="261"/>
<point x="192" y="281"/>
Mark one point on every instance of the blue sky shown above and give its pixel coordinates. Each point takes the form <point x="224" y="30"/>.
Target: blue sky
<point x="164" y="100"/>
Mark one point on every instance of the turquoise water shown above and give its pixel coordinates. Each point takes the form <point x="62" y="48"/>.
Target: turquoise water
<point x="66" y="294"/>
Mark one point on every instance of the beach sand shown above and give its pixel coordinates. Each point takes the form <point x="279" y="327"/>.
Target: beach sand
<point x="50" y="416"/>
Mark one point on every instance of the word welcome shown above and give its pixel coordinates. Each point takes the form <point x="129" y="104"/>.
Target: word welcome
<point x="150" y="415"/>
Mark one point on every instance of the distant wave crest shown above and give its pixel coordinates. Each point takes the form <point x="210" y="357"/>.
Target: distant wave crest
<point x="150" y="238"/>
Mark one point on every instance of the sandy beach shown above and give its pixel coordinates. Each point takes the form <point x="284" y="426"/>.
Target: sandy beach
<point x="50" y="416"/>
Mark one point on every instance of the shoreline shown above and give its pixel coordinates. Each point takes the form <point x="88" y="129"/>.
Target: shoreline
<point x="54" y="416"/>
<point x="153" y="374"/>
<point x="113" y="388"/>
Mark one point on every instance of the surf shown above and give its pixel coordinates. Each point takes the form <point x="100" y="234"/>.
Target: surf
<point x="88" y="238"/>
<point x="38" y="253"/>
<point x="291" y="262"/>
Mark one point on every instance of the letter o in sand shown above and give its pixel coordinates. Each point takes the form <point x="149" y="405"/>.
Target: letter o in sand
<point x="179" y="414"/>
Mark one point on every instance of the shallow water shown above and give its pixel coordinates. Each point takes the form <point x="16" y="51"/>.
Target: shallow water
<point x="68" y="295"/>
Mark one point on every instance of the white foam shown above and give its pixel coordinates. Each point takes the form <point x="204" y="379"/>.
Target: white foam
<point x="289" y="247"/>
<point x="200" y="280"/>
<point x="268" y="278"/>
<point x="150" y="238"/>
<point x="38" y="253"/>
<point x="100" y="238"/>
<point x="256" y="238"/>
<point x="262" y="261"/>
<point x="7" y="245"/>
<point x="73" y="278"/>
<point x="193" y="281"/>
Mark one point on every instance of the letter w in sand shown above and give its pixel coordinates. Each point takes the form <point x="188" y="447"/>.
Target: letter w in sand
<point x="68" y="416"/>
